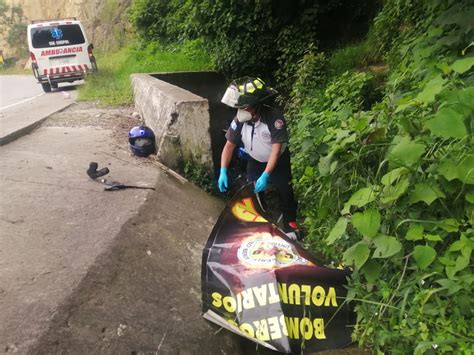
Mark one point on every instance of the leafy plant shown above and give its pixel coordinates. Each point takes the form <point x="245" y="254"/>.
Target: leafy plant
<point x="261" y="37"/>
<point x="200" y="175"/>
<point x="386" y="185"/>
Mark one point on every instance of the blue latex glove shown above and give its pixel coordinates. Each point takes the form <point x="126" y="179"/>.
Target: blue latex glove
<point x="262" y="182"/>
<point x="223" y="182"/>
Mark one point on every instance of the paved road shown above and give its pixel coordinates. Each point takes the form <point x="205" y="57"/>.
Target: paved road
<point x="17" y="89"/>
<point x="55" y="221"/>
<point x="23" y="105"/>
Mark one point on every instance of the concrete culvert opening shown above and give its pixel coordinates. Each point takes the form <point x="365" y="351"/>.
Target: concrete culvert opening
<point x="185" y="112"/>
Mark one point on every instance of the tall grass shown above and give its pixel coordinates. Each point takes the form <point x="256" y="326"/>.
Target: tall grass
<point x="355" y="56"/>
<point x="111" y="86"/>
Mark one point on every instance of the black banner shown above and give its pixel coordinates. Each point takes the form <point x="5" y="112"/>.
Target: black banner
<point x="258" y="283"/>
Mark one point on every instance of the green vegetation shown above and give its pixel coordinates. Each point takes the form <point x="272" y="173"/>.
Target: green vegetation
<point x="384" y="168"/>
<point x="13" y="27"/>
<point x="261" y="37"/>
<point x="112" y="86"/>
<point x="200" y="175"/>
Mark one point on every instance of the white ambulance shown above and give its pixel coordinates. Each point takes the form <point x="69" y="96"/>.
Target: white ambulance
<point x="60" y="52"/>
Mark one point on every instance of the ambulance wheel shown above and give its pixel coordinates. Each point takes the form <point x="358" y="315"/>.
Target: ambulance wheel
<point x="54" y="85"/>
<point x="46" y="87"/>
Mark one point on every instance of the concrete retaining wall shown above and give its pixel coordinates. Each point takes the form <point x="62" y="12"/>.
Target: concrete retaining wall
<point x="179" y="118"/>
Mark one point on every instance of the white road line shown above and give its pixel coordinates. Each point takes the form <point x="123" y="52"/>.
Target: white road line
<point x="20" y="102"/>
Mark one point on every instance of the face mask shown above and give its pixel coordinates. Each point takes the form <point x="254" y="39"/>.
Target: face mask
<point x="243" y="116"/>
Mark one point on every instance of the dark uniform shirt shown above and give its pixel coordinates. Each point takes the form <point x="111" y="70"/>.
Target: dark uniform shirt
<point x="258" y="137"/>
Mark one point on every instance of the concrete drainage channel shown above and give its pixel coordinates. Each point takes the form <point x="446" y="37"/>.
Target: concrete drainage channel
<point x="185" y="112"/>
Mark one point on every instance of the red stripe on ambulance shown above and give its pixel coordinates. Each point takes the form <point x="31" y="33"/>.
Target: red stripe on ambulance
<point x="65" y="69"/>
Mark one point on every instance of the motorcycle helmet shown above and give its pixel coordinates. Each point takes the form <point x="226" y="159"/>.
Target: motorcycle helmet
<point x="247" y="91"/>
<point x="141" y="141"/>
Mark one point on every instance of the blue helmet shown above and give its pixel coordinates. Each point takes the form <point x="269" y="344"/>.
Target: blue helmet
<point x="141" y="141"/>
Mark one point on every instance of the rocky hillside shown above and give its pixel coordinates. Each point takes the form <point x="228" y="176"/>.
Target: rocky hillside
<point x="105" y="21"/>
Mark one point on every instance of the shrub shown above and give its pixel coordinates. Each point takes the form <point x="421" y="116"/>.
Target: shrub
<point x="388" y="187"/>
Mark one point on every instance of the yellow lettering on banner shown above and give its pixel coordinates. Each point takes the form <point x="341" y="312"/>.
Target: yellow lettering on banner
<point x="274" y="297"/>
<point x="261" y="330"/>
<point x="331" y="297"/>
<point x="229" y="304"/>
<point x="245" y="211"/>
<point x="260" y="294"/>
<point x="283" y="325"/>
<point x="292" y="327"/>
<point x="273" y="326"/>
<point x="247" y="329"/>
<point x="306" y="328"/>
<point x="282" y="292"/>
<point x="318" y="296"/>
<point x="294" y="294"/>
<point x="217" y="299"/>
<point x="306" y="290"/>
<point x="247" y="299"/>
<point x="319" y="328"/>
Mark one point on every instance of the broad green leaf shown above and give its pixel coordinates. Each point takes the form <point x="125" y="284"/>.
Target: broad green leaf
<point x="404" y="106"/>
<point x="426" y="193"/>
<point x="371" y="270"/>
<point x="466" y="170"/>
<point x="447" y="261"/>
<point x="461" y="263"/>
<point x="464" y="245"/>
<point x="393" y="193"/>
<point x="448" y="169"/>
<point x="406" y="152"/>
<point x="341" y="134"/>
<point x="449" y="225"/>
<point x="393" y="175"/>
<point x="324" y="165"/>
<point x="433" y="237"/>
<point x="463" y="170"/>
<point x="470" y="197"/>
<point x="450" y="285"/>
<point x="464" y="96"/>
<point x="462" y="65"/>
<point x="360" y="124"/>
<point x="386" y="246"/>
<point x="367" y="223"/>
<point x="415" y="232"/>
<point x="357" y="254"/>
<point x="459" y="244"/>
<point x="337" y="231"/>
<point x="444" y="67"/>
<point x="450" y="271"/>
<point x="447" y="123"/>
<point x="361" y="197"/>
<point x="424" y="255"/>
<point x="431" y="89"/>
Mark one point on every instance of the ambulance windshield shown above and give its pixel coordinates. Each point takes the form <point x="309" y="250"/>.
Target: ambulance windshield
<point x="56" y="36"/>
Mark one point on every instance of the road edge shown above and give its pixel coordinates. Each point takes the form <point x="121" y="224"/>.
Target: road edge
<point x="10" y="137"/>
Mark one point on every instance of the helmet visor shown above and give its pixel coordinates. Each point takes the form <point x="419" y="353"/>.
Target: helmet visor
<point x="231" y="97"/>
